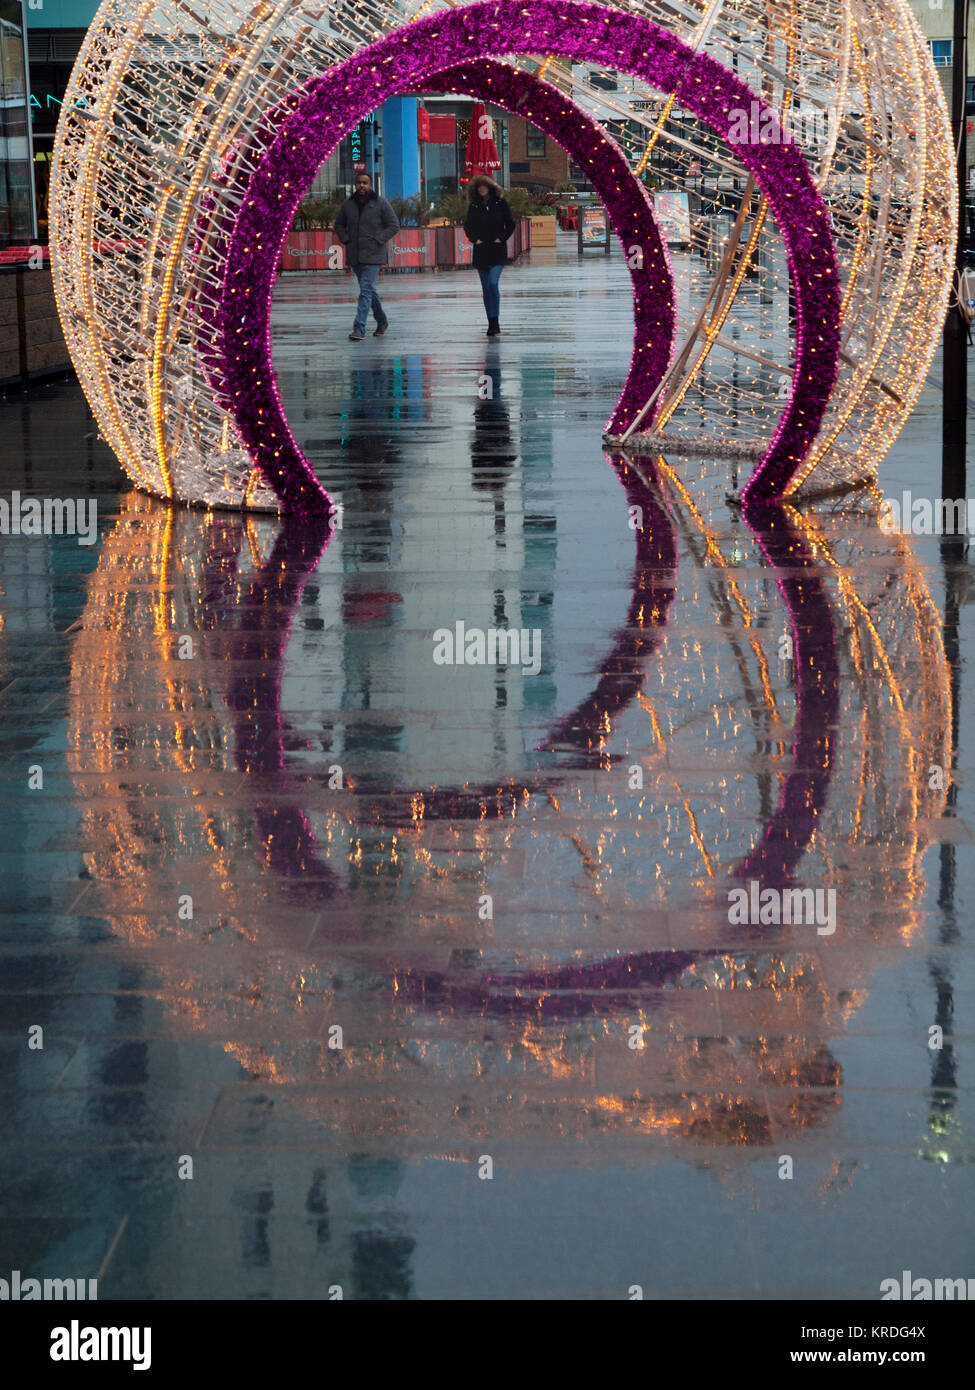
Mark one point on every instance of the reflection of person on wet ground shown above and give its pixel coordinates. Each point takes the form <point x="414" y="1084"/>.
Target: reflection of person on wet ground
<point x="373" y="457"/>
<point x="492" y="450"/>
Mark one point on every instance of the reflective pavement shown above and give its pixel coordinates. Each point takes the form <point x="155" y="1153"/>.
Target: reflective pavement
<point x="430" y="973"/>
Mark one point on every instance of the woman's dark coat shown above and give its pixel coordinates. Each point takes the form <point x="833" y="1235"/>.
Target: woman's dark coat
<point x="490" y="222"/>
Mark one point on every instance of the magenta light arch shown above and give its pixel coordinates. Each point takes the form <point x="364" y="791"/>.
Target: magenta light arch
<point x="313" y="121"/>
<point x="630" y="212"/>
<point x="626" y="202"/>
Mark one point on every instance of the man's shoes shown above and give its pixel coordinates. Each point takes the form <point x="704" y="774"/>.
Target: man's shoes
<point x="355" y="336"/>
<point x="381" y="329"/>
<point x="494" y="328"/>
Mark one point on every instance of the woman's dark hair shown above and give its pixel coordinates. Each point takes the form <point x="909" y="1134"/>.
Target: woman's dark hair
<point x="494" y="190"/>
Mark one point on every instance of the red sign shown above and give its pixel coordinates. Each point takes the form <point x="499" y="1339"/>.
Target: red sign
<point x="359" y="167"/>
<point x="422" y="123"/>
<point x="443" y="130"/>
<point x="14" y="254"/>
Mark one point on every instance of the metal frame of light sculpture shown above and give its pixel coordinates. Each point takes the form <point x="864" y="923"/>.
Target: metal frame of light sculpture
<point x="314" y="122"/>
<point x="166" y="105"/>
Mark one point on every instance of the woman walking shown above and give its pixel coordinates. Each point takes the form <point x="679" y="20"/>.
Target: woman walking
<point x="488" y="225"/>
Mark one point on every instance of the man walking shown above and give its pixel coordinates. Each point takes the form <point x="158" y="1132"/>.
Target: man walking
<point x="364" y="225"/>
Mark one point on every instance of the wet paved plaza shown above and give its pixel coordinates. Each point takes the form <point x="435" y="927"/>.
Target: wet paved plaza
<point x="427" y="971"/>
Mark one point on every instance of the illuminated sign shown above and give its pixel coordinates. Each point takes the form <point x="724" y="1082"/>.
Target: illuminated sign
<point x="355" y="139"/>
<point x="51" y="100"/>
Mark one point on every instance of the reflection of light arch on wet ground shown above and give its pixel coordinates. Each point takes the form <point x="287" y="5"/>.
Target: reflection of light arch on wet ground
<point x="182" y="693"/>
<point x="594" y="744"/>
<point x="547" y="1015"/>
<point x="869" y="648"/>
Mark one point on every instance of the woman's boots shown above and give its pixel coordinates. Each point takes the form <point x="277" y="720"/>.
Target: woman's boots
<point x="494" y="328"/>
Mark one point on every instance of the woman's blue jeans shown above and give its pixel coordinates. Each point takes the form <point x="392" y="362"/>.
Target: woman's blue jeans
<point x="490" y="290"/>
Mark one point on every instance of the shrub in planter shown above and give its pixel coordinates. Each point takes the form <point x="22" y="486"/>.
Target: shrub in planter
<point x="453" y="208"/>
<point x="410" y="211"/>
<point x="315" y="212"/>
<point x="520" y="202"/>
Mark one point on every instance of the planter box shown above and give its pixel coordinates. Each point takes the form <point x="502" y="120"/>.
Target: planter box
<point x="412" y="248"/>
<point x="311" y="251"/>
<point x="543" y="230"/>
<point x="461" y="250"/>
<point x="31" y="341"/>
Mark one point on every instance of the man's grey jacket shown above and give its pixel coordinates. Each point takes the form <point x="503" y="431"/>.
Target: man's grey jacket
<point x="365" y="229"/>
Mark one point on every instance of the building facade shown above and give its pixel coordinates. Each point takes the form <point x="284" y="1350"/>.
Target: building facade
<point x="387" y="145"/>
<point x="937" y="21"/>
<point x="17" y="216"/>
<point x="535" y="160"/>
<point x="443" y="152"/>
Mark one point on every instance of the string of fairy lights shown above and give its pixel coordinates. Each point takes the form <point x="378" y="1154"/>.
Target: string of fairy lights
<point x="168" y="106"/>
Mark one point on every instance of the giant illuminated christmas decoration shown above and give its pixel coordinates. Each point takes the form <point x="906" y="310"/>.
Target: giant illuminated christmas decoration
<point x="796" y="336"/>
